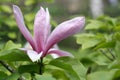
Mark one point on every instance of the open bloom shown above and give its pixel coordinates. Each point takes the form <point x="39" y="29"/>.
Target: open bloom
<point x="43" y="41"/>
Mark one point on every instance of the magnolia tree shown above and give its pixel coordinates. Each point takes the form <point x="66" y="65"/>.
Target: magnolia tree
<point x="97" y="56"/>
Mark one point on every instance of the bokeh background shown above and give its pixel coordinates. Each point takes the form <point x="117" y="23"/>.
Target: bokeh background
<point x="60" y="11"/>
<point x="96" y="46"/>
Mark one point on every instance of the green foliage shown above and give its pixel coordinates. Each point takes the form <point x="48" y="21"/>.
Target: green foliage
<point x="74" y="69"/>
<point x="98" y="56"/>
<point x="10" y="45"/>
<point x="117" y="50"/>
<point x="101" y="75"/>
<point x="99" y="48"/>
<point x="44" y="77"/>
<point x="10" y="52"/>
<point x="13" y="76"/>
<point x="69" y="68"/>
<point x="30" y="68"/>
<point x="2" y="75"/>
<point x="89" y="40"/>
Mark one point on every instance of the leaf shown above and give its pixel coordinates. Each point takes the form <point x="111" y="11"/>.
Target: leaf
<point x="101" y="75"/>
<point x="117" y="50"/>
<point x="88" y="40"/>
<point x="30" y="68"/>
<point x="12" y="35"/>
<point x="10" y="52"/>
<point x="29" y="2"/>
<point x="10" y="45"/>
<point x="10" y="22"/>
<point x="73" y="67"/>
<point x="110" y="20"/>
<point x="29" y="17"/>
<point x="13" y="55"/>
<point x="117" y="28"/>
<point x="5" y="8"/>
<point x="114" y="65"/>
<point x="117" y="75"/>
<point x="110" y="44"/>
<point x="117" y="36"/>
<point x="2" y="75"/>
<point x="13" y="76"/>
<point x="26" y="76"/>
<point x="94" y="24"/>
<point x="59" y="76"/>
<point x="44" y="77"/>
<point x="87" y="61"/>
<point x="47" y="0"/>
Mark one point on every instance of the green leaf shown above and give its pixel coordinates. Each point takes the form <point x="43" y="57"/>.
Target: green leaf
<point x="110" y="20"/>
<point x="117" y="36"/>
<point x="10" y="22"/>
<point x="44" y="77"/>
<point x="29" y="17"/>
<point x="12" y="35"/>
<point x="110" y="44"/>
<point x="73" y="67"/>
<point x="26" y="76"/>
<point x="117" y="28"/>
<point x="29" y="2"/>
<point x="13" y="55"/>
<point x="5" y="8"/>
<point x="114" y="65"/>
<point x="88" y="40"/>
<point x="47" y="0"/>
<point x="117" y="75"/>
<point x="13" y="76"/>
<point x="2" y="75"/>
<point x="30" y="68"/>
<point x="94" y="24"/>
<point x="59" y="76"/>
<point x="87" y="61"/>
<point x="10" y="45"/>
<point x="117" y="50"/>
<point x="101" y="75"/>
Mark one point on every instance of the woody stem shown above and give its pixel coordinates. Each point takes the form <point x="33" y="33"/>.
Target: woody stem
<point x="41" y="66"/>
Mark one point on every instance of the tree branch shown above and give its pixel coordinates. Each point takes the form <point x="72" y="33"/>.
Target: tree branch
<point x="7" y="66"/>
<point x="106" y="55"/>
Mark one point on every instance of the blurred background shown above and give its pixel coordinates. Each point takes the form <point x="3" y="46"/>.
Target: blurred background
<point x="60" y="10"/>
<point x="97" y="46"/>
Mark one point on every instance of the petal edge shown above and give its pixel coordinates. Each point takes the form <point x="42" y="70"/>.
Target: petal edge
<point x="65" y="30"/>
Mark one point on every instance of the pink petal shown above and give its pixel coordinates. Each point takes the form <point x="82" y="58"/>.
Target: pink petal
<point x="65" y="30"/>
<point x="48" y="26"/>
<point x="41" y="28"/>
<point x="20" y="22"/>
<point x="59" y="53"/>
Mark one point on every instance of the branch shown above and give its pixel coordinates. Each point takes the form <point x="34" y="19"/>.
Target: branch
<point x="7" y="66"/>
<point x="106" y="55"/>
<point x="111" y="53"/>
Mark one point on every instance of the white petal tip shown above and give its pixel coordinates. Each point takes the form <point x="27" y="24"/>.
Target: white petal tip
<point x="34" y="56"/>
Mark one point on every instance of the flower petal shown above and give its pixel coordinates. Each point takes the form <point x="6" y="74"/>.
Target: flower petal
<point x="20" y="22"/>
<point x="41" y="27"/>
<point x="65" y="30"/>
<point x="48" y="26"/>
<point x="34" y="56"/>
<point x="58" y="53"/>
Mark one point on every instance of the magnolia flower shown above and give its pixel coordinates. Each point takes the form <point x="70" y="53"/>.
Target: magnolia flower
<point x="43" y="41"/>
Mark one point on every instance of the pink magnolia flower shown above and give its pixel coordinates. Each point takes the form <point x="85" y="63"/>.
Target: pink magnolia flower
<point x="43" y="41"/>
